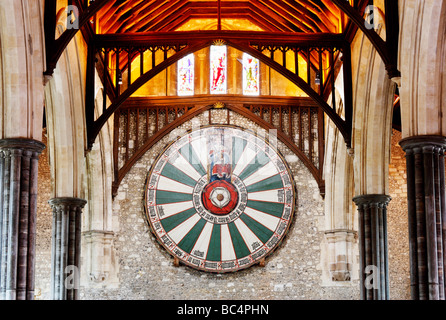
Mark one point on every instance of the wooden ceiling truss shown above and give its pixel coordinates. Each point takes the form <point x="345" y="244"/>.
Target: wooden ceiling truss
<point x="320" y="32"/>
<point x="175" y="47"/>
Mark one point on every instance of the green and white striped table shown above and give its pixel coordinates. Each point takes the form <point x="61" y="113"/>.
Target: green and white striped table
<point x="220" y="198"/>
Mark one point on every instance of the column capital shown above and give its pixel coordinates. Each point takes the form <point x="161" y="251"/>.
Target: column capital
<point x="423" y="141"/>
<point x="67" y="202"/>
<point x="372" y="199"/>
<point x="22" y="143"/>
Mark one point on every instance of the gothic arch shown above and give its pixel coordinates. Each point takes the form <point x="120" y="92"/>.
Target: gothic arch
<point x="422" y="66"/>
<point x="64" y="97"/>
<point x="339" y="243"/>
<point x="338" y="174"/>
<point x="373" y="105"/>
<point x="168" y="130"/>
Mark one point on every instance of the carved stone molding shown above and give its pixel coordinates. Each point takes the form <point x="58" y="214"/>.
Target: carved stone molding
<point x="99" y="259"/>
<point x="340" y="262"/>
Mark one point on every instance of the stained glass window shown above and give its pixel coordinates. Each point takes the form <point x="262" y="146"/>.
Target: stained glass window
<point x="186" y="75"/>
<point x="250" y="75"/>
<point x="218" y="69"/>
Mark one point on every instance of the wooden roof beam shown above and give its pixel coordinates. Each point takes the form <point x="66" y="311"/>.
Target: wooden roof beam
<point x="147" y="14"/>
<point x="299" y="10"/>
<point x="303" y="20"/>
<point x="325" y="15"/>
<point x="273" y="38"/>
<point x="185" y="19"/>
<point x="268" y="15"/>
<point x="178" y="9"/>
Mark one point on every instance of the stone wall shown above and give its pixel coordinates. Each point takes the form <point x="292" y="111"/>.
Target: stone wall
<point x="398" y="229"/>
<point x="44" y="226"/>
<point x="147" y="271"/>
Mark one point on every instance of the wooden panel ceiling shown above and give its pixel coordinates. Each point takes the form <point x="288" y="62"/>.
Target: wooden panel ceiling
<point x="137" y="16"/>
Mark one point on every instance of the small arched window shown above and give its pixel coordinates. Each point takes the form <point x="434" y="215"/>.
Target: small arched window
<point x="218" y="69"/>
<point x="250" y="75"/>
<point x="186" y="75"/>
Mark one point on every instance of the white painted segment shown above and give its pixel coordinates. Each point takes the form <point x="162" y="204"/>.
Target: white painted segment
<point x="251" y="240"/>
<point x="167" y="184"/>
<point x="262" y="173"/>
<point x="200" y="147"/>
<point x="269" y="195"/>
<point x="269" y="221"/>
<point x="245" y="159"/>
<point x="202" y="244"/>
<point x="182" y="164"/>
<point x="179" y="232"/>
<point x="227" y="248"/>
<point x="171" y="209"/>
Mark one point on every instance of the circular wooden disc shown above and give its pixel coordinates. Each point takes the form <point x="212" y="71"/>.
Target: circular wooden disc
<point x="248" y="180"/>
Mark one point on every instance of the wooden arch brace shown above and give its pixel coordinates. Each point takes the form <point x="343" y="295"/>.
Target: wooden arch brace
<point x="193" y="111"/>
<point x="388" y="50"/>
<point x="239" y="40"/>
<point x="55" y="47"/>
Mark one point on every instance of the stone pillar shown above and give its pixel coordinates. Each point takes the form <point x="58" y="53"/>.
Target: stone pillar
<point x="427" y="215"/>
<point x="18" y="203"/>
<point x="373" y="252"/>
<point x="66" y="247"/>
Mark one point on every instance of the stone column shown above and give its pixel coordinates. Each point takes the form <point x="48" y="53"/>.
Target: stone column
<point x="18" y="203"/>
<point x="66" y="247"/>
<point x="427" y="215"/>
<point x="373" y="253"/>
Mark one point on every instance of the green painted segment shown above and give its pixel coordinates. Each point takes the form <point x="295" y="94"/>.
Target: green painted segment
<point x="241" y="250"/>
<point x="214" y="250"/>
<point x="258" y="162"/>
<point x="189" y="240"/>
<point x="272" y="208"/>
<point x="189" y="154"/>
<point x="172" y="172"/>
<point x="238" y="146"/>
<point x="262" y="232"/>
<point x="271" y="183"/>
<point x="171" y="222"/>
<point x="163" y="197"/>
